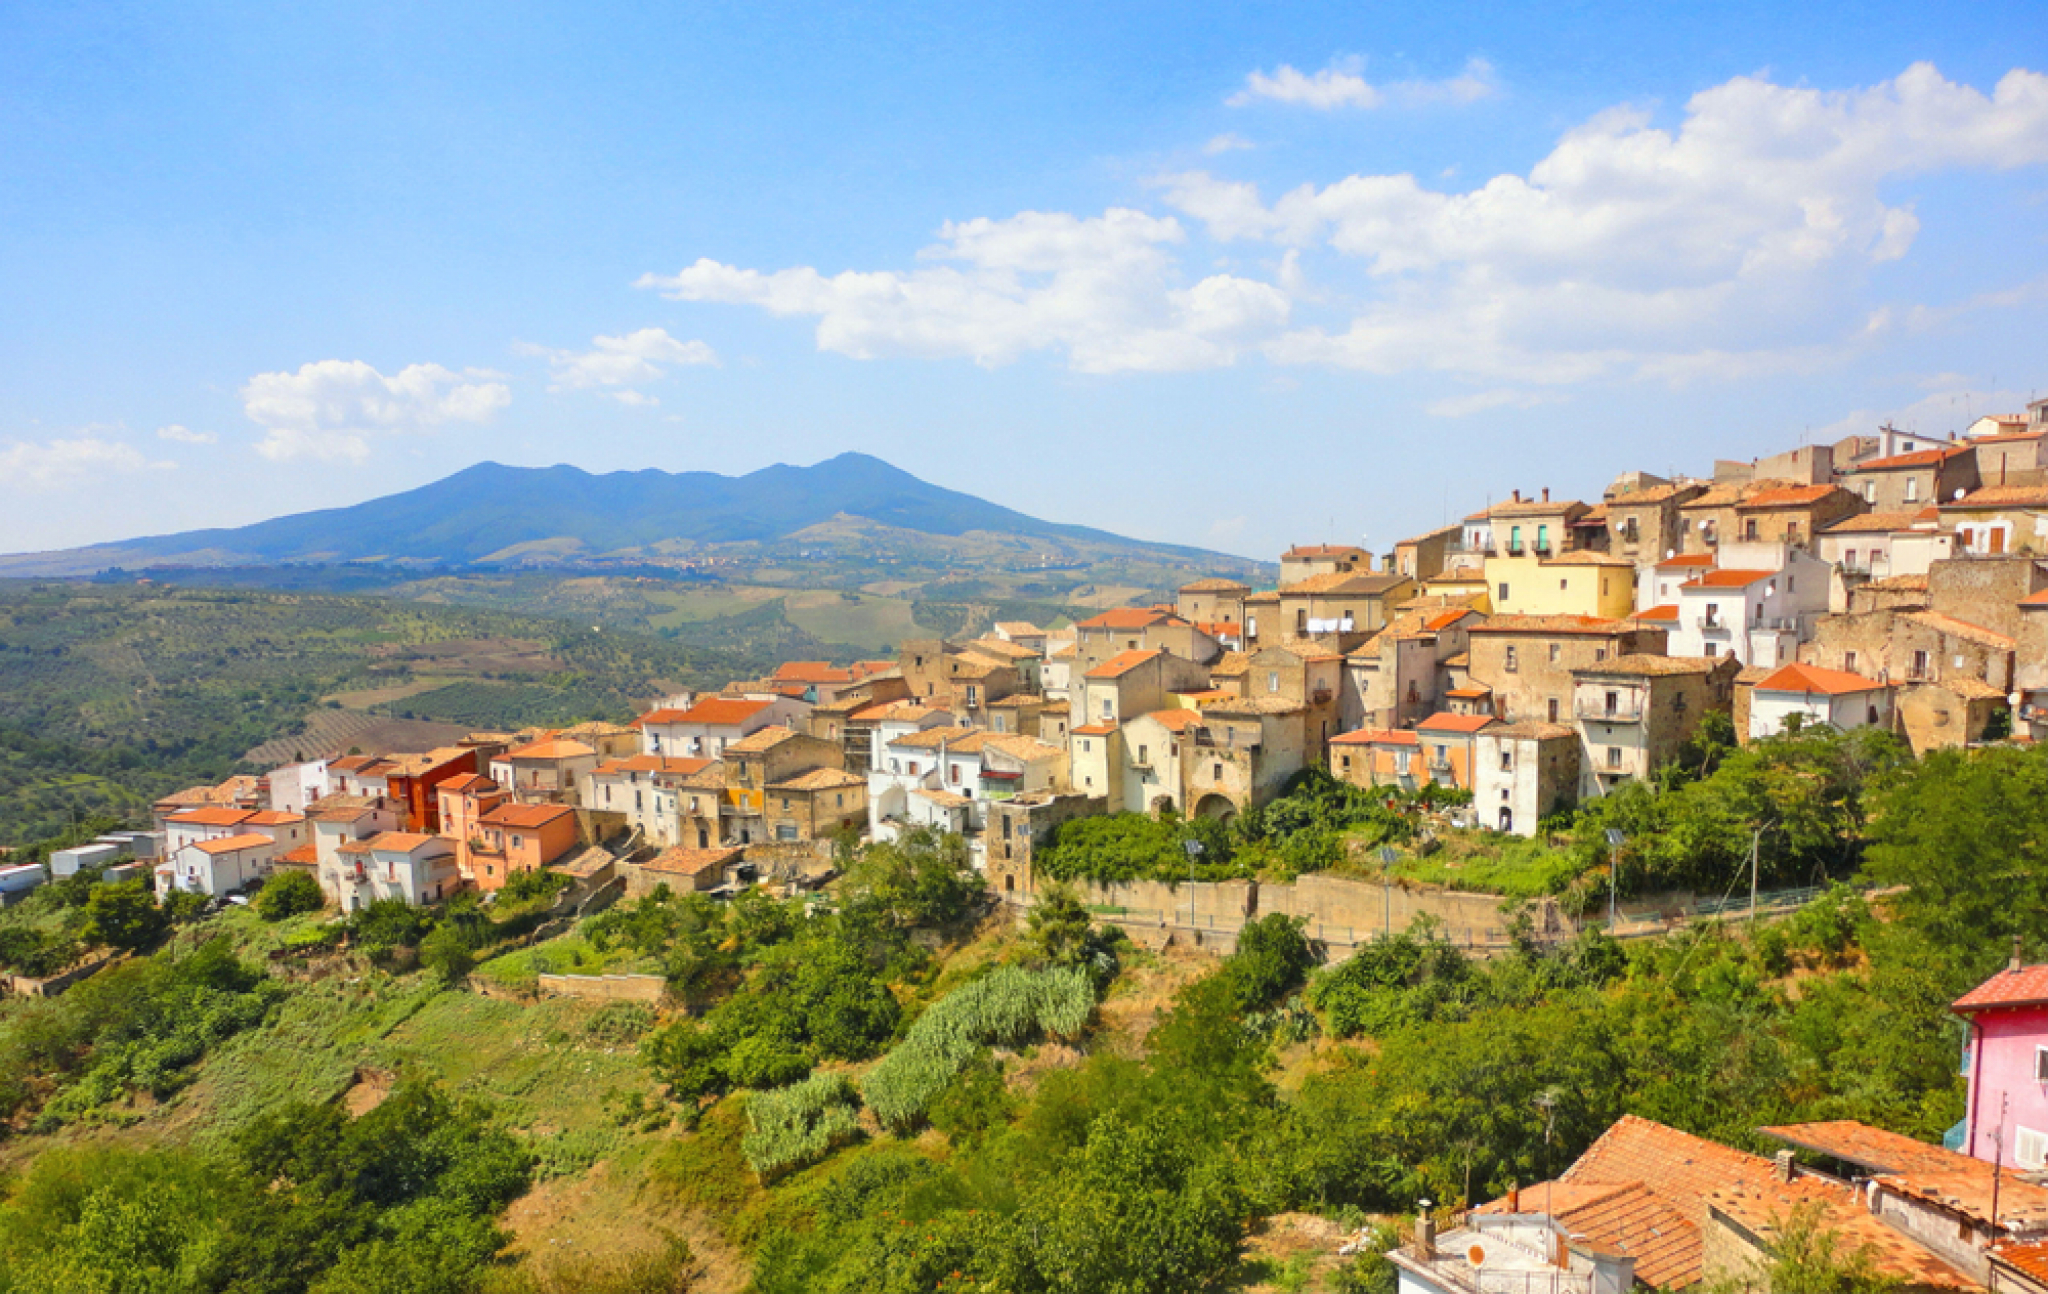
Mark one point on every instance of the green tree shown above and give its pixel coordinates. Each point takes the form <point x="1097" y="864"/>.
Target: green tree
<point x="447" y="955"/>
<point x="287" y="894"/>
<point x="123" y="915"/>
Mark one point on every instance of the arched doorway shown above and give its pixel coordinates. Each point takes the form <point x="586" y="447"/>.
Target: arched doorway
<point x="1219" y="807"/>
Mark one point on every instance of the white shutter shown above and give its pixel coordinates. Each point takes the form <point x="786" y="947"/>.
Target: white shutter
<point x="2030" y="1148"/>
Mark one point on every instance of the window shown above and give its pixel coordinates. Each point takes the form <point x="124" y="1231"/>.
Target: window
<point x="785" y="804"/>
<point x="1564" y="586"/>
<point x="1849" y="661"/>
<point x="1510" y="664"/>
<point x="1919" y="664"/>
<point x="1085" y="747"/>
<point x="2041" y="1064"/>
<point x="1503" y="593"/>
<point x="1344" y="762"/>
<point x="1556" y="650"/>
<point x="1712" y="650"/>
<point x="1614" y="757"/>
<point x="1217" y="773"/>
<point x="1507" y="762"/>
<point x="1613" y="702"/>
<point x="1514" y="539"/>
<point x="1108" y="709"/>
<point x="973" y="695"/>
<point x="2030" y="1148"/>
<point x="1144" y="755"/>
<point x="1599" y="654"/>
<point x="1912" y="489"/>
<point x="953" y="774"/>
<point x="785" y="831"/>
<point x="1273" y="680"/>
<point x="1552" y="709"/>
<point x="839" y="800"/>
<point x="1542" y="538"/>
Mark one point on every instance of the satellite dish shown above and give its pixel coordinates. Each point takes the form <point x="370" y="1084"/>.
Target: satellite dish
<point x="1476" y="1255"/>
<point x="1958" y="494"/>
<point x="2013" y="699"/>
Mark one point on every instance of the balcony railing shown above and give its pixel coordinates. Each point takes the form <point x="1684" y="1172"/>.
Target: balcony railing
<point x="1601" y="712"/>
<point x="1710" y="623"/>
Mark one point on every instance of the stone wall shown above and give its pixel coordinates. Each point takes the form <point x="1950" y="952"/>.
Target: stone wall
<point x="26" y="986"/>
<point x="606" y="988"/>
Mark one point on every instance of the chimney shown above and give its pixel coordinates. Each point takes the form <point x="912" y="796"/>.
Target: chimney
<point x="1546" y="494"/>
<point x="1785" y="1167"/>
<point x="1518" y="496"/>
<point x="1514" y="1198"/>
<point x="2015" y="964"/>
<point x="1425" y="1235"/>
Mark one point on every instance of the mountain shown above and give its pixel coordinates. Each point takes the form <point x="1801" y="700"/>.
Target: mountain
<point x="493" y="515"/>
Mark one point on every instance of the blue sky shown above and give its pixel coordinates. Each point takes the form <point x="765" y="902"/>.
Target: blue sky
<point x="1230" y="275"/>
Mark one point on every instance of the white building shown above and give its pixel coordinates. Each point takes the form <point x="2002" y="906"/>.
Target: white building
<point x="705" y="729"/>
<point x="217" y="866"/>
<point x="294" y="786"/>
<point x="403" y="865"/>
<point x="644" y="788"/>
<point x="1817" y="696"/>
<point x="341" y="824"/>
<point x="66" y="862"/>
<point x="1522" y="773"/>
<point x="1757" y="614"/>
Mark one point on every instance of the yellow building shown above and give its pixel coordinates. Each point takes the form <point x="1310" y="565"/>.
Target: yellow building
<point x="1574" y="584"/>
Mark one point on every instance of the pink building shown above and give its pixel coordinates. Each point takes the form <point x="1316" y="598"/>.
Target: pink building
<point x="2008" y="1067"/>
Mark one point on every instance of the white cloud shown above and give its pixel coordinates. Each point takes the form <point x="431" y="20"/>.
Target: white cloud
<point x="1341" y="85"/>
<point x="1464" y="406"/>
<point x="186" y="436"/>
<point x="72" y="458"/>
<point x="1226" y="143"/>
<point x="1945" y="412"/>
<point x="635" y="399"/>
<point x="333" y="408"/>
<point x="1106" y="290"/>
<point x="1629" y="243"/>
<point x="626" y="360"/>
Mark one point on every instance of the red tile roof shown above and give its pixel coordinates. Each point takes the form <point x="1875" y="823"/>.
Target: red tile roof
<point x="526" y="815"/>
<point x="812" y="671"/>
<point x="1797" y="496"/>
<point x="1918" y="458"/>
<point x="552" y="750"/>
<point x="690" y="862"/>
<point x="721" y="712"/>
<point x="1730" y="579"/>
<point x="654" y="764"/>
<point x="2001" y="496"/>
<point x="1095" y="730"/>
<point x="1558" y="624"/>
<point x="2038" y="599"/>
<point x="468" y="782"/>
<point x="1131" y="618"/>
<point x="2028" y="1260"/>
<point x="2027" y="986"/>
<point x="1324" y="550"/>
<point x="1812" y="680"/>
<point x="234" y="844"/>
<point x="1666" y="611"/>
<point x="1687" y="559"/>
<point x="1466" y="723"/>
<point x="1445" y="619"/>
<point x="1177" y="720"/>
<point x="211" y="817"/>
<point x="1122" y="663"/>
<point x="1376" y="737"/>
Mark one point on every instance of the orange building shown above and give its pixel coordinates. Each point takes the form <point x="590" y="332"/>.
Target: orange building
<point x="519" y="838"/>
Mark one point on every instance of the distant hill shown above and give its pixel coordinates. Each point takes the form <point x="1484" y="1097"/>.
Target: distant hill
<point x="494" y="515"/>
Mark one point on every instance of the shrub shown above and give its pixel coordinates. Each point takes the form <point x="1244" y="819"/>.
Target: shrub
<point x="287" y="894"/>
<point x="1009" y="1005"/>
<point x="791" y="1126"/>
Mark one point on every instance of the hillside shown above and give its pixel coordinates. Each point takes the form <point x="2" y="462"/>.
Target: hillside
<point x="497" y="516"/>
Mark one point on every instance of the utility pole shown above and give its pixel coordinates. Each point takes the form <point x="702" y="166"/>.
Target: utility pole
<point x="1615" y="840"/>
<point x="1755" y="840"/>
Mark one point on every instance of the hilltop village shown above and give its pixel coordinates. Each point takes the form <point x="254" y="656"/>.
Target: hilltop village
<point x="1535" y="655"/>
<point x="1532" y="658"/>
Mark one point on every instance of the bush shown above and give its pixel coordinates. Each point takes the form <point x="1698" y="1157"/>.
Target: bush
<point x="287" y="894"/>
<point x="447" y="954"/>
<point x="1008" y="1005"/>
<point x="123" y="915"/>
<point x="791" y="1126"/>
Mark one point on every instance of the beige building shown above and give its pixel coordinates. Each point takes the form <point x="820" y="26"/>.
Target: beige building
<point x="1340" y="604"/>
<point x="1793" y="515"/>
<point x="1907" y="482"/>
<point x="1999" y="519"/>
<point x="1132" y="683"/>
<point x="1129" y="629"/>
<point x="816" y="804"/>
<point x="1305" y="561"/>
<point x="1523" y="773"/>
<point x="1642" y="524"/>
<point x="1636" y="712"/>
<point x="1425" y="556"/>
<point x="1528" y="661"/>
<point x="1534" y="527"/>
<point x="1212" y="600"/>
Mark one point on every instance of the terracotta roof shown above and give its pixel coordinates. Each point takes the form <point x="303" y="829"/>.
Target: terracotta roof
<point x="1550" y="625"/>
<point x="1960" y="629"/>
<point x="1871" y="1149"/>
<point x="1257" y="705"/>
<point x="999" y="648"/>
<point x="1216" y="584"/>
<point x="765" y="739"/>
<point x="1687" y="560"/>
<point x="1445" y="619"/>
<point x="402" y="841"/>
<point x="1730" y="579"/>
<point x="234" y="844"/>
<point x="1651" y="494"/>
<point x="1470" y="693"/>
<point x="1763" y="1208"/>
<point x="1176" y="720"/>
<point x="2036" y="599"/>
<point x="1232" y="664"/>
<point x="526" y="815"/>
<point x="716" y="712"/>
<point x="212" y="816"/>
<point x="1027" y="750"/>
<point x="1918" y="458"/>
<point x="1324" y="550"/>
<point x="1445" y="722"/>
<point x="1969" y="689"/>
<point x="1898" y="584"/>
<point x="1675" y="1171"/>
<point x="2028" y="1260"/>
<point x="1122" y="663"/>
<point x="1271" y="597"/>
<point x="2027" y="986"/>
<point x="1813" y="680"/>
<point x="946" y="799"/>
<point x="1094" y="730"/>
<point x="956" y="739"/>
<point x="1625" y="1217"/>
<point x="820" y="779"/>
<point x="1753" y="674"/>
<point x="689" y="862"/>
<point x="1533" y="507"/>
<point x="1874" y="523"/>
<point x="553" y="750"/>
<point x="1376" y="737"/>
<point x="273" y="818"/>
<point x="1344" y="582"/>
<point x="302" y="856"/>
<point x="1019" y="629"/>
<point x="1131" y="618"/>
<point x="1947" y="1177"/>
<point x="1661" y="612"/>
<point x="1733" y="493"/>
<point x="2002" y="496"/>
<point x="812" y="671"/>
<point x="1644" y="665"/>
<point x="469" y="782"/>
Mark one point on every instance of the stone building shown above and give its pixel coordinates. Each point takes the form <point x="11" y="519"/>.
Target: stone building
<point x="1528" y="661"/>
<point x="1635" y="713"/>
<point x="1523" y="773"/>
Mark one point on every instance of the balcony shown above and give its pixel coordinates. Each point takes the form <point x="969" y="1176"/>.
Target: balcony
<point x="1628" y="711"/>
<point x="1710" y="624"/>
<point x="1514" y="550"/>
